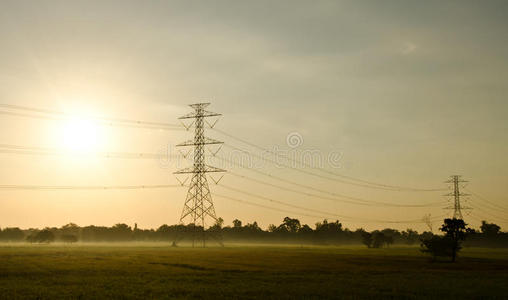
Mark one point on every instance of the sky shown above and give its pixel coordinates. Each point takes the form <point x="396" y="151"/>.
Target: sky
<point x="402" y="93"/>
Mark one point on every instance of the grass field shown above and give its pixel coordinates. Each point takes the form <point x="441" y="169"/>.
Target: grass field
<point x="157" y="271"/>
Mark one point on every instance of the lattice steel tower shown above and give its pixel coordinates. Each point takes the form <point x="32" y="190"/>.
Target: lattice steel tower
<point x="457" y="208"/>
<point x="198" y="206"/>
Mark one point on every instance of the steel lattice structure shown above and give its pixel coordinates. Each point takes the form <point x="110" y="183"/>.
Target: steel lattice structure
<point x="457" y="208"/>
<point x="198" y="206"/>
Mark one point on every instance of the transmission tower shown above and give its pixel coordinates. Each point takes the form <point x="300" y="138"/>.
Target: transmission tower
<point x="198" y="206"/>
<point x="457" y="208"/>
<point x="427" y="220"/>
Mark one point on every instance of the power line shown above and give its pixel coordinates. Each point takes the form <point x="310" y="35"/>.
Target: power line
<point x="366" y="203"/>
<point x="278" y="209"/>
<point x="104" y="123"/>
<point x="487" y="216"/>
<point x="29" y="150"/>
<point x="355" y="200"/>
<point x="365" y="183"/>
<point x="477" y="196"/>
<point x="318" y="211"/>
<point x="56" y="112"/>
<point x="493" y="215"/>
<point x="162" y="125"/>
<point x="489" y="208"/>
<point x="475" y="218"/>
<point x="266" y="207"/>
<point x="280" y="202"/>
<point x="89" y="187"/>
<point x="58" y="116"/>
<point x="304" y="171"/>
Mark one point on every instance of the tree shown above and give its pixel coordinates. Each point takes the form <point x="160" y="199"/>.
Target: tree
<point x="329" y="227"/>
<point x="489" y="230"/>
<point x="329" y="232"/>
<point x="379" y="239"/>
<point x="450" y="244"/>
<point x="437" y="246"/>
<point x="70" y="228"/>
<point x="455" y="230"/>
<point x="410" y="236"/>
<point x="217" y="227"/>
<point x="121" y="232"/>
<point x="237" y="223"/>
<point x="305" y="229"/>
<point x="292" y="225"/>
<point x="43" y="236"/>
<point x="253" y="227"/>
<point x="367" y="238"/>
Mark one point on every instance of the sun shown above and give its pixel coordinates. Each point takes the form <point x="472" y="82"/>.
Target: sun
<point x="80" y="135"/>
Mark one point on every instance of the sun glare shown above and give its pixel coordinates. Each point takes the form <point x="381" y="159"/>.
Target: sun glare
<point x="80" y="135"/>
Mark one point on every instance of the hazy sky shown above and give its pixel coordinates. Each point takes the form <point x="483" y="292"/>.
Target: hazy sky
<point x="408" y="92"/>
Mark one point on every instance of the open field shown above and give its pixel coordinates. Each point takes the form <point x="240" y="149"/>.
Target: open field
<point x="158" y="271"/>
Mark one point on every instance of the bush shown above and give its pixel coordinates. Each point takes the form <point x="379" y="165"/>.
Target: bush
<point x="43" y="236"/>
<point x="438" y="246"/>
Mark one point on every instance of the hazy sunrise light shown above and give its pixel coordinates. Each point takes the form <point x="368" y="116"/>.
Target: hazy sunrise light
<point x="282" y="149"/>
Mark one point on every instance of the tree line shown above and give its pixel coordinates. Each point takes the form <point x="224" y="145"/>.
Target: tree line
<point x="289" y="231"/>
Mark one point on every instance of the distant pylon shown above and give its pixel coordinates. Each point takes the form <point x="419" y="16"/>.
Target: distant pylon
<point x="198" y="204"/>
<point x="457" y="207"/>
<point x="427" y="220"/>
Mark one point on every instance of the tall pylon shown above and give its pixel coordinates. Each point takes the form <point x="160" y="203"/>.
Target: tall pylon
<point x="457" y="207"/>
<point x="198" y="206"/>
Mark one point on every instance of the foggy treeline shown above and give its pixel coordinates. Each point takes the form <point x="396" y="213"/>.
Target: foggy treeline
<point x="289" y="231"/>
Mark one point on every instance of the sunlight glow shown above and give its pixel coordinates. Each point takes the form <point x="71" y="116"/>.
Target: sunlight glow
<point x="80" y="135"/>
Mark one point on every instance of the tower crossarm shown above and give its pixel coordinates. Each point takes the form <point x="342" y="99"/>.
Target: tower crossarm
<point x="206" y="169"/>
<point x="203" y="141"/>
<point x="453" y="194"/>
<point x="202" y="114"/>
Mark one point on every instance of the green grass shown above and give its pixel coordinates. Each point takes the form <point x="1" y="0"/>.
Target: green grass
<point x="157" y="271"/>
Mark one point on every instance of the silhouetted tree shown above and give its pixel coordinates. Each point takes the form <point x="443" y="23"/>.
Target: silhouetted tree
<point x="43" y="236"/>
<point x="379" y="239"/>
<point x="455" y="230"/>
<point x="437" y="246"/>
<point x="290" y="230"/>
<point x="217" y="227"/>
<point x="329" y="232"/>
<point x="292" y="225"/>
<point x="305" y="229"/>
<point x="367" y="239"/>
<point x="489" y="230"/>
<point x="253" y="227"/>
<point x="388" y="240"/>
<point x="237" y="223"/>
<point x="121" y="232"/>
<point x="409" y="236"/>
<point x="450" y="244"/>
